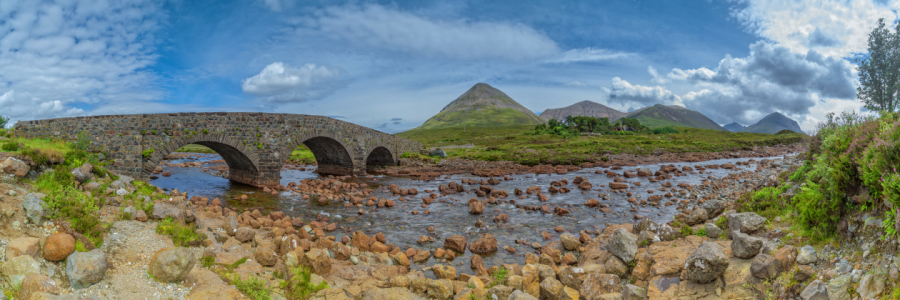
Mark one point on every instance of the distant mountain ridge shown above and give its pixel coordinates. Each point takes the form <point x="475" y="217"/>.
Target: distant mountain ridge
<point x="734" y="127"/>
<point x="482" y="106"/>
<point x="673" y="115"/>
<point x="583" y="109"/>
<point x="773" y="123"/>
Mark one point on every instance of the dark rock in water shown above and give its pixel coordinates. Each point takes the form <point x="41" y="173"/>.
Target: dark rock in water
<point x="439" y="153"/>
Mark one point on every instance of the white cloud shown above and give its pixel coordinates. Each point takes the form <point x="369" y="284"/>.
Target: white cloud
<point x="391" y="29"/>
<point x="772" y="78"/>
<point x="576" y="83"/>
<point x="832" y="27"/>
<point x="624" y="92"/>
<point x="587" y="55"/>
<point x="278" y="82"/>
<point x="277" y="5"/>
<point x="55" y="57"/>
<point x="656" y="78"/>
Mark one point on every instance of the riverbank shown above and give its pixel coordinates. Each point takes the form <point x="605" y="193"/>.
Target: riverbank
<point x="556" y="261"/>
<point x="615" y="231"/>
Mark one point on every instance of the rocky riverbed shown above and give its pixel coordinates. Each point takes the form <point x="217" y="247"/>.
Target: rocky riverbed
<point x="595" y="232"/>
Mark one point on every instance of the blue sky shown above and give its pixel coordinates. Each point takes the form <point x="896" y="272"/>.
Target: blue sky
<point x="391" y="65"/>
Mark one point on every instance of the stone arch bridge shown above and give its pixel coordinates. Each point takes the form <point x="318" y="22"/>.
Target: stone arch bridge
<point x="254" y="145"/>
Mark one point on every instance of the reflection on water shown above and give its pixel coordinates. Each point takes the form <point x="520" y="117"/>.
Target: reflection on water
<point x="449" y="214"/>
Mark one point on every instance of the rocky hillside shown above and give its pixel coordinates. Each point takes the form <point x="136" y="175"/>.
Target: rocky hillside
<point x="583" y="109"/>
<point x="773" y="123"/>
<point x="482" y="106"/>
<point x="660" y="115"/>
<point x="734" y="127"/>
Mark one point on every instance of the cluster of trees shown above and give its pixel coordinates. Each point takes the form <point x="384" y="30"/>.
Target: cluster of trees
<point x="573" y="126"/>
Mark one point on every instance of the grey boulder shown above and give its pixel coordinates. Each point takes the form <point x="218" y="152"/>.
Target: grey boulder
<point x="86" y="268"/>
<point x="706" y="264"/>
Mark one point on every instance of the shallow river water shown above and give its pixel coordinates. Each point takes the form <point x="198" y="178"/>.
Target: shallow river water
<point x="449" y="214"/>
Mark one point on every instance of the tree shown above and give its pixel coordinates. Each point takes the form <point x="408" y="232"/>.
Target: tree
<point x="879" y="73"/>
<point x="3" y="121"/>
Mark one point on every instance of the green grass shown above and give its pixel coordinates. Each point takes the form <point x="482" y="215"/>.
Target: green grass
<point x="661" y="116"/>
<point x="511" y="143"/>
<point x="236" y="264"/>
<point x="194" y="148"/>
<point x="44" y="144"/>
<point x="768" y="202"/>
<point x="499" y="277"/>
<point x="79" y="246"/>
<point x="181" y="234"/>
<point x="300" y="155"/>
<point x="253" y="287"/>
<point x="303" y="155"/>
<point x="207" y="261"/>
<point x="485" y="117"/>
<point x="299" y="284"/>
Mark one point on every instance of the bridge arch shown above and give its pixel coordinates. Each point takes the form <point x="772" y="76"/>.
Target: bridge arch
<point x="380" y="156"/>
<point x="243" y="163"/>
<point x="331" y="156"/>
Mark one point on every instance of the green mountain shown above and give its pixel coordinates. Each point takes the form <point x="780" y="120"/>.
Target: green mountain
<point x="583" y="109"/>
<point x="660" y="115"/>
<point x="734" y="127"/>
<point x="773" y="123"/>
<point x="482" y="106"/>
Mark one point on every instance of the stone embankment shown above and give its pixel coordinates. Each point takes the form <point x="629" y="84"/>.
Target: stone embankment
<point x="708" y="252"/>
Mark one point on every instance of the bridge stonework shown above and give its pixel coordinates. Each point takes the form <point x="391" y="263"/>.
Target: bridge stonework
<point x="254" y="145"/>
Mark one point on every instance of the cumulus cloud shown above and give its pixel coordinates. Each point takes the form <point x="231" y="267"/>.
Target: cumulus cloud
<point x="656" y="78"/>
<point x="57" y="56"/>
<point x="623" y="92"/>
<point x="770" y="79"/>
<point x="832" y="27"/>
<point x="280" y="83"/>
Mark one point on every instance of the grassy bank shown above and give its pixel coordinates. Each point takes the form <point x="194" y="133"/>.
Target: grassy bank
<point x="511" y="143"/>
<point x="851" y="168"/>
<point x="66" y="202"/>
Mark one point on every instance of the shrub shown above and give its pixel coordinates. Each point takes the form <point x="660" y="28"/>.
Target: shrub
<point x="10" y="146"/>
<point x="207" y="261"/>
<point x="701" y="231"/>
<point x="58" y="178"/>
<point x="767" y="202"/>
<point x="148" y="152"/>
<point x="816" y="212"/>
<point x="76" y="158"/>
<point x="499" y="277"/>
<point x="664" y="130"/>
<point x="82" y="141"/>
<point x="299" y="286"/>
<point x="784" y="131"/>
<point x="70" y="204"/>
<point x="181" y="234"/>
<point x="686" y="231"/>
<point x="252" y="287"/>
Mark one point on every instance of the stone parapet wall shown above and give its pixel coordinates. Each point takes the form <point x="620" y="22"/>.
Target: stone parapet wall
<point x="255" y="145"/>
